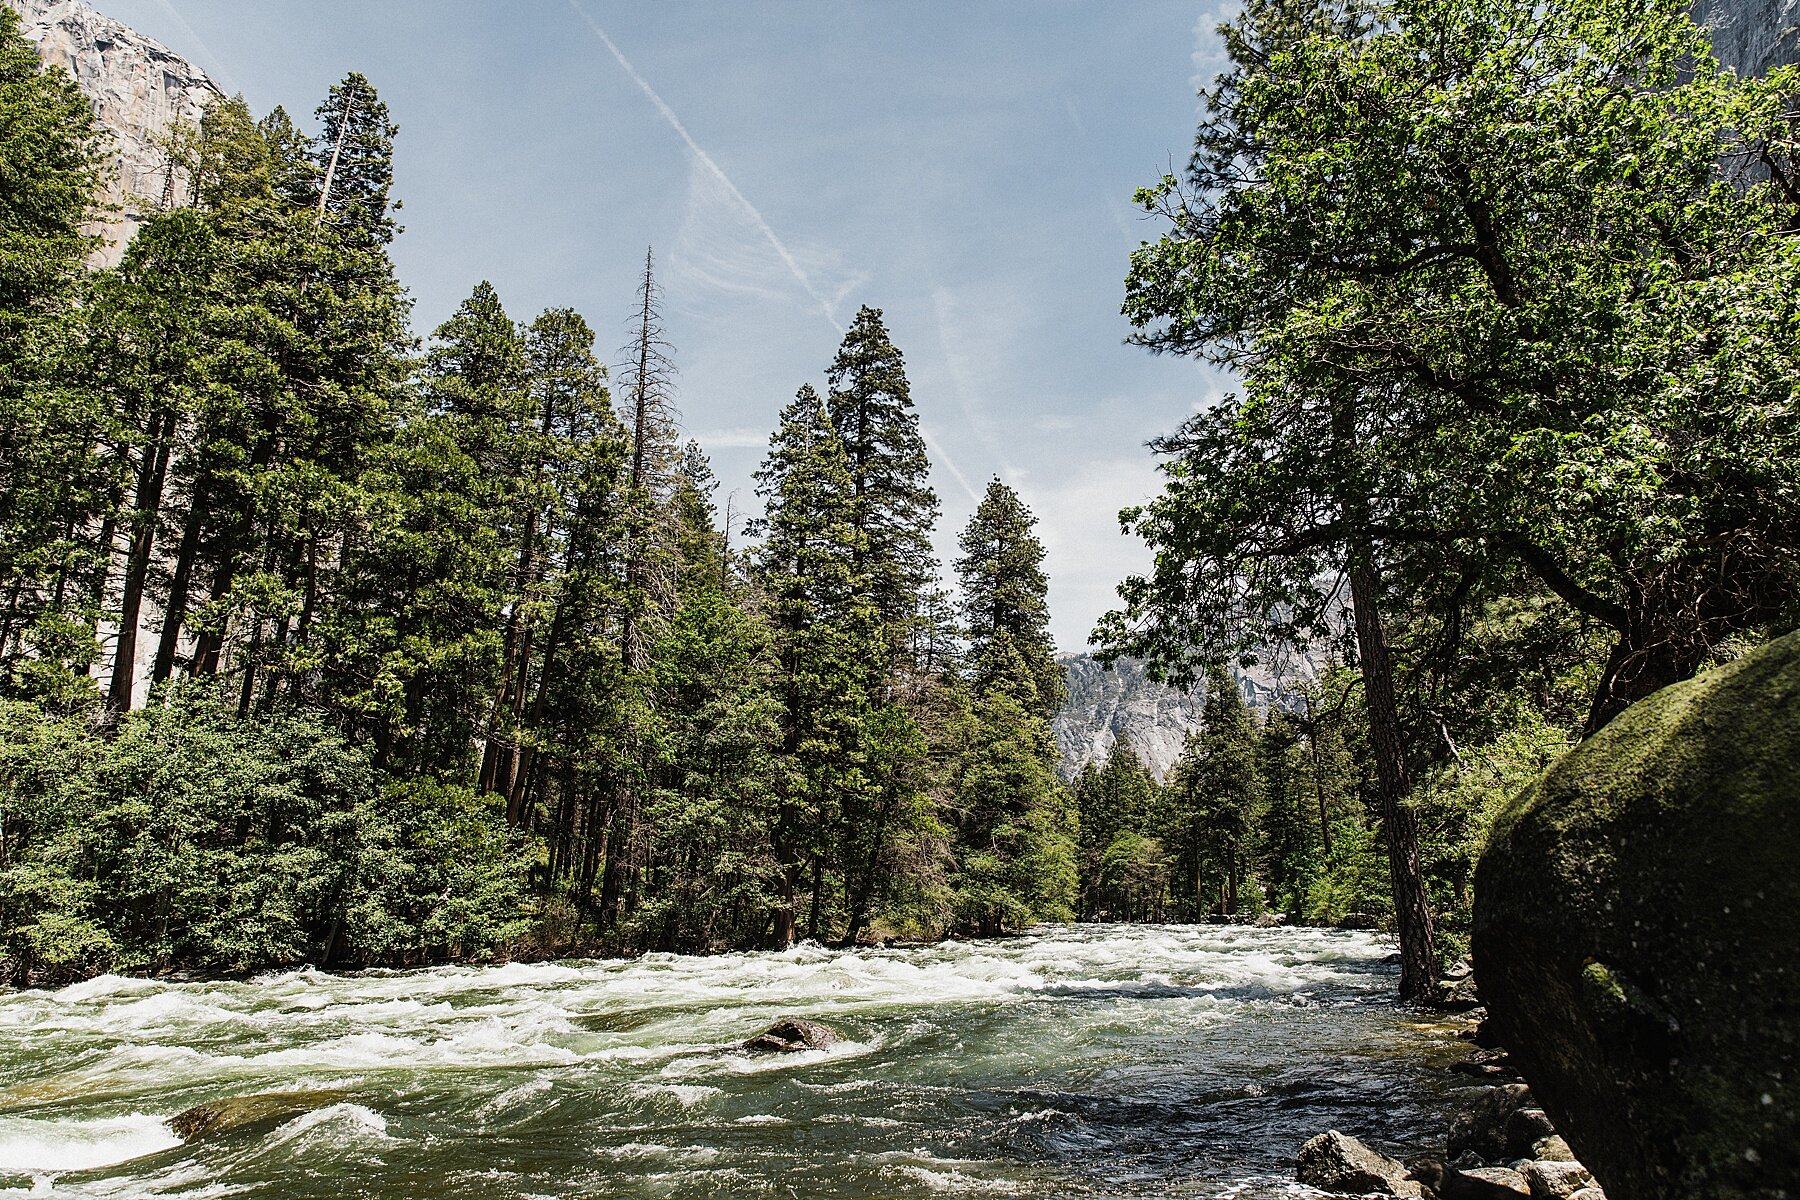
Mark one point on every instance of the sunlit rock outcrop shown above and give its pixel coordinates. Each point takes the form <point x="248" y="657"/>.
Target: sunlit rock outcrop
<point x="138" y="87"/>
<point x="1105" y="705"/>
<point x="1752" y="35"/>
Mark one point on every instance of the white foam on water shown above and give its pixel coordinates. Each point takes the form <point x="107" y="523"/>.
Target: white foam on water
<point x="656" y="1151"/>
<point x="29" y="1145"/>
<point x="341" y="1124"/>
<point x="688" y="1095"/>
<point x="655" y="1032"/>
<point x="948" y="1181"/>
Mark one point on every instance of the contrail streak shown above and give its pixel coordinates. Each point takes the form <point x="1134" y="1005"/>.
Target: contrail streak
<point x="187" y="31"/>
<point x="706" y="160"/>
<point x="943" y="456"/>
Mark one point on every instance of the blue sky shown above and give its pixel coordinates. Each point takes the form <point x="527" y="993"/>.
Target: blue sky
<point x="965" y="166"/>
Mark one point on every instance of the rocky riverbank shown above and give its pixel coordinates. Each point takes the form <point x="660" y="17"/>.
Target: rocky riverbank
<point x="1500" y="1146"/>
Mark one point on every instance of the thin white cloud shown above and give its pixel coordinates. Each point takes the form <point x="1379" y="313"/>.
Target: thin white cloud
<point x="720" y="248"/>
<point x="1086" y="555"/>
<point x="706" y="160"/>
<point x="1209" y="50"/>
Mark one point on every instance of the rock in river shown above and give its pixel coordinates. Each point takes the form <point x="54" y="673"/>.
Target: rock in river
<point x="1333" y="1162"/>
<point x="1634" y="935"/>
<point x="221" y="1116"/>
<point x="793" y="1033"/>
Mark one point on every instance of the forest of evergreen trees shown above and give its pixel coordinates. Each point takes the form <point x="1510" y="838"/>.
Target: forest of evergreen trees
<point x="322" y="642"/>
<point x="319" y="643"/>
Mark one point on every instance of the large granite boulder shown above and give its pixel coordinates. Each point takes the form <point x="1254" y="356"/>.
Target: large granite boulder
<point x="1636" y="945"/>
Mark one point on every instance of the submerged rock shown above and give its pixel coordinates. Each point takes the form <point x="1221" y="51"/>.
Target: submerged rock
<point x="793" y="1033"/>
<point x="1633" y="931"/>
<point x="221" y="1116"/>
<point x="1333" y="1162"/>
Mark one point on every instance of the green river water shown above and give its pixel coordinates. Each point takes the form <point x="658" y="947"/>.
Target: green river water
<point x="1109" y="1061"/>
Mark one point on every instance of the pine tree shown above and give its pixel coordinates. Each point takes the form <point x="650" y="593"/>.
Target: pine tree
<point x="711" y="876"/>
<point x="354" y="152"/>
<point x="52" y="482"/>
<point x="420" y="634"/>
<point x="1015" y="836"/>
<point x="1226" y="791"/>
<point x="1004" y="599"/>
<point x="870" y="405"/>
<point x="566" y="420"/>
<point x="827" y="638"/>
<point x="1115" y="803"/>
<point x="1288" y="844"/>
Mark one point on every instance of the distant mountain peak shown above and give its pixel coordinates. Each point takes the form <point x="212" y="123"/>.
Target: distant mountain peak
<point x="1105" y="705"/>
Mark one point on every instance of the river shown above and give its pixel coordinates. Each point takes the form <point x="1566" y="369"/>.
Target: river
<point x="1108" y="1061"/>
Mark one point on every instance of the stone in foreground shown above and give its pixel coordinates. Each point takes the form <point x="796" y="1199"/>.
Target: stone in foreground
<point x="791" y="1034"/>
<point x="1333" y="1162"/>
<point x="1635" y="941"/>
<point x="1480" y="1131"/>
<point x="1555" y="1180"/>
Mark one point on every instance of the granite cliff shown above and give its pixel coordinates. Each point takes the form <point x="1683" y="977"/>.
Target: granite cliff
<point x="138" y="87"/>
<point x="1752" y="35"/>
<point x="1105" y="705"/>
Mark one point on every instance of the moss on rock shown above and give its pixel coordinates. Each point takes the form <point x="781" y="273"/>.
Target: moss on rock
<point x="1637" y="938"/>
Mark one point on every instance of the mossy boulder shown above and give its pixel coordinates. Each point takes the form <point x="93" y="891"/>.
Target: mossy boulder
<point x="1637" y="938"/>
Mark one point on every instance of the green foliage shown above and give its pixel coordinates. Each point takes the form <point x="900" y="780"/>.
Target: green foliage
<point x="191" y="835"/>
<point x="1213" y="801"/>
<point x="870" y="405"/>
<point x="1113" y="801"/>
<point x="50" y="175"/>
<point x="1488" y="256"/>
<point x="1353" y="879"/>
<point x="1006" y="613"/>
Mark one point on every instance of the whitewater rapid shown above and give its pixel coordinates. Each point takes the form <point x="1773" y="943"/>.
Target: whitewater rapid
<point x="1093" y="1060"/>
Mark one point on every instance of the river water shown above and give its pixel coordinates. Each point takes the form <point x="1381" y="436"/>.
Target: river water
<point x="1109" y="1061"/>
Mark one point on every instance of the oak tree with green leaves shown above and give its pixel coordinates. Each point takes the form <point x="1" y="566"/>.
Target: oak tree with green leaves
<point x="1494" y="277"/>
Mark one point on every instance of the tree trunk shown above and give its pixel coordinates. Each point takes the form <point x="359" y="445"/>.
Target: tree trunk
<point x="179" y="583"/>
<point x="1635" y="669"/>
<point x="146" y="508"/>
<point x="1412" y="909"/>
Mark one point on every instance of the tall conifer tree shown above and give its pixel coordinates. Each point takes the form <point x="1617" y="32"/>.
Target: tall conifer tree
<point x="1005" y="602"/>
<point x="827" y="639"/>
<point x="870" y="404"/>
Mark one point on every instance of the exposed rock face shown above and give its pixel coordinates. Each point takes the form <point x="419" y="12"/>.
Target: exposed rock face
<point x="1752" y="35"/>
<point x="1635" y="942"/>
<point x="1106" y="705"/>
<point x="138" y="87"/>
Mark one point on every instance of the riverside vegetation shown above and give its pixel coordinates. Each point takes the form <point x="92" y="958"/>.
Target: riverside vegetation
<point x="322" y="643"/>
<point x="319" y="643"/>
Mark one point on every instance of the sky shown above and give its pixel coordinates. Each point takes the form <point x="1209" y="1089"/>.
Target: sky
<point x="967" y="166"/>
